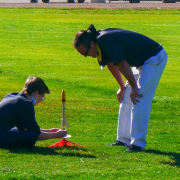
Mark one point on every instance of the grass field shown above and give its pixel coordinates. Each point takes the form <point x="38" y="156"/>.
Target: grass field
<point x="39" y="42"/>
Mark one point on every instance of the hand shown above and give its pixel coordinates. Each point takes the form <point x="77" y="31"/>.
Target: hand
<point x="61" y="133"/>
<point x="120" y="95"/>
<point x="134" y="95"/>
<point x="54" y="129"/>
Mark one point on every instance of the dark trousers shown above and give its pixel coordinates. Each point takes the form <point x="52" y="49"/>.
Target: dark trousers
<point x="18" y="139"/>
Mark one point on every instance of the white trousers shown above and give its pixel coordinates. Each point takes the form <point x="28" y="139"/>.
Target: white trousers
<point x="134" y="119"/>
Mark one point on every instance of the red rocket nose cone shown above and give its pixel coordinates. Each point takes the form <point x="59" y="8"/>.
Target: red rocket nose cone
<point x="63" y="96"/>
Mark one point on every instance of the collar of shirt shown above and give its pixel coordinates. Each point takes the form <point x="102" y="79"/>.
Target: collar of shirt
<point x="99" y="56"/>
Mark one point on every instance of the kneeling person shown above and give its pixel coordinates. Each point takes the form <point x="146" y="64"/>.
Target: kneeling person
<point x="17" y="110"/>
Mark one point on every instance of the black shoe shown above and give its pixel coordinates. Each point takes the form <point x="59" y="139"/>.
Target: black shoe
<point x="118" y="143"/>
<point x="134" y="148"/>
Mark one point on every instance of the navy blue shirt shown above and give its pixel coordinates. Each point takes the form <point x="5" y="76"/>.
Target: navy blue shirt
<point x="17" y="110"/>
<point x="118" y="45"/>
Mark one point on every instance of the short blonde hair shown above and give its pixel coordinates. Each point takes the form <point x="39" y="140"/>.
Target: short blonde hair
<point x="34" y="84"/>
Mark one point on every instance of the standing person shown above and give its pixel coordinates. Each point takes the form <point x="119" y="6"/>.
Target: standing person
<point x="121" y="49"/>
<point x="17" y="110"/>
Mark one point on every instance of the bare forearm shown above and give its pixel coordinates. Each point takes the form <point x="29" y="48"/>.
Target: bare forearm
<point x="125" y="69"/>
<point x="52" y="135"/>
<point x="46" y="135"/>
<point x="49" y="130"/>
<point x="117" y="74"/>
<point x="45" y="130"/>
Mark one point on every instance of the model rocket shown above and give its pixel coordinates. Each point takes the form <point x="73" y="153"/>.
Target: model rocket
<point x="64" y="142"/>
<point x="64" y="123"/>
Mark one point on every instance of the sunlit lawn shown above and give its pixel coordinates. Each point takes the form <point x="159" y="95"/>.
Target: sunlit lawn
<point x="38" y="42"/>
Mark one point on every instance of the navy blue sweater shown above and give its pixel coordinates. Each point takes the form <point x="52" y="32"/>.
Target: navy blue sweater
<point x="17" y="110"/>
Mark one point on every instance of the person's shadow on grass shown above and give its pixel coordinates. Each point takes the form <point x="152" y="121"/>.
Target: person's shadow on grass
<point x="174" y="157"/>
<point x="70" y="151"/>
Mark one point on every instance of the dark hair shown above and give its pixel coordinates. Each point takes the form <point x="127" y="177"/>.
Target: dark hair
<point x="85" y="36"/>
<point x="34" y="84"/>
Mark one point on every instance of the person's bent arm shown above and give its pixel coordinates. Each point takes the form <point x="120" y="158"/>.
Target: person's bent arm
<point x="117" y="75"/>
<point x="52" y="135"/>
<point x="125" y="69"/>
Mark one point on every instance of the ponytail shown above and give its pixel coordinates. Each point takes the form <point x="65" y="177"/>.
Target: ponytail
<point x="92" y="29"/>
<point x="85" y="36"/>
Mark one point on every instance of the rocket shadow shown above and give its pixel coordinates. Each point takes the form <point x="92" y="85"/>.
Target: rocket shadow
<point x="76" y="151"/>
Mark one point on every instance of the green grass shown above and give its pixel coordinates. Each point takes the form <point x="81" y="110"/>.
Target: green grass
<point x="39" y="42"/>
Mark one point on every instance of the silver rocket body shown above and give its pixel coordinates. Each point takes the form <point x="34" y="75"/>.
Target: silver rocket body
<point x="64" y="123"/>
